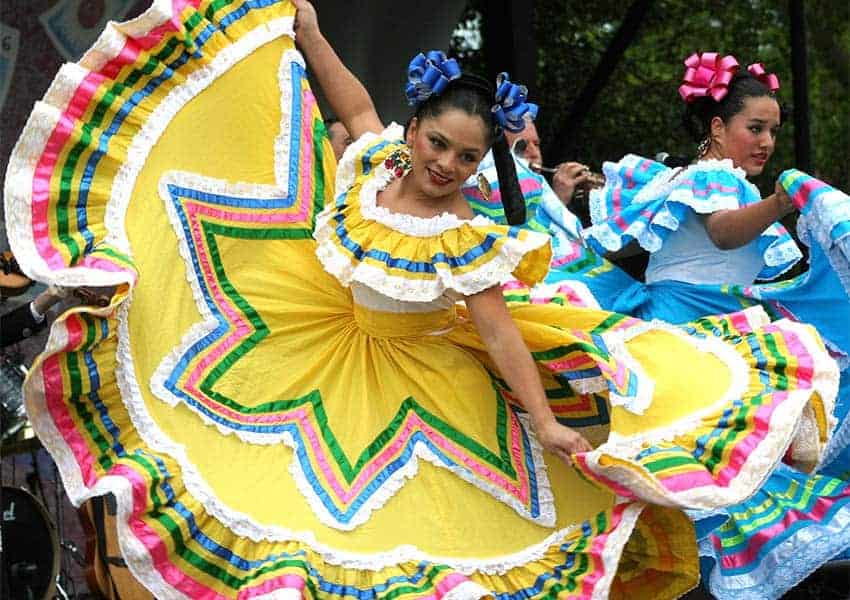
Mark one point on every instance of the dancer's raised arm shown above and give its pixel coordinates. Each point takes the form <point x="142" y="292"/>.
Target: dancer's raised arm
<point x="348" y="98"/>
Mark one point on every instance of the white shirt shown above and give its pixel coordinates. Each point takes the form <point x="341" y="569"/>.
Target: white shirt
<point x="689" y="255"/>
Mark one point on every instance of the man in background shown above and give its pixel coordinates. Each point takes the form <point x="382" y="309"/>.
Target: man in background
<point x="339" y="136"/>
<point x="565" y="177"/>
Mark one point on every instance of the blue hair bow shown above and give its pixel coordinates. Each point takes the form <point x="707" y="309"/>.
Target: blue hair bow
<point x="511" y="109"/>
<point x="429" y="74"/>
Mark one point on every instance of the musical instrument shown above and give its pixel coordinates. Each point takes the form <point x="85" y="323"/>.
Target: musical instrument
<point x="12" y="279"/>
<point x="12" y="414"/>
<point x="30" y="560"/>
<point x="581" y="193"/>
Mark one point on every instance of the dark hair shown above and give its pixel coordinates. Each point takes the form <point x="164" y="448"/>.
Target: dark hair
<point x="469" y="93"/>
<point x="330" y="121"/>
<point x="700" y="112"/>
<point x="476" y="96"/>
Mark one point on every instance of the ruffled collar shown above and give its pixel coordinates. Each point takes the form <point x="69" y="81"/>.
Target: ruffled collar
<point x="667" y="180"/>
<point x="378" y="180"/>
<point x="714" y="164"/>
<point x="404" y="223"/>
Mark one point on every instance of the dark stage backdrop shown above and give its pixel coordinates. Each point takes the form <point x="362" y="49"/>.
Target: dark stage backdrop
<point x="374" y="38"/>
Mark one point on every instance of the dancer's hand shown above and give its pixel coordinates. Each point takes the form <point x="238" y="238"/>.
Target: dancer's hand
<point x="49" y="297"/>
<point x="306" y="20"/>
<point x="560" y="440"/>
<point x="783" y="200"/>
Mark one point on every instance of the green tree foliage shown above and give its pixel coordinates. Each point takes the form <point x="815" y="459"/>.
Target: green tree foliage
<point x="639" y="109"/>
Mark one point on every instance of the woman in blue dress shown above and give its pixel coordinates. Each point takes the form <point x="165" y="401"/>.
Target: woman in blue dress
<point x="711" y="237"/>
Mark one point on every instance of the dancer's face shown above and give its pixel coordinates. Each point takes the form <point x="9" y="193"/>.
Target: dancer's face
<point x="749" y="137"/>
<point x="445" y="150"/>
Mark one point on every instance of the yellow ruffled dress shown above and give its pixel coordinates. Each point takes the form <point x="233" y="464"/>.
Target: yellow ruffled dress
<point x="421" y="456"/>
<point x="280" y="416"/>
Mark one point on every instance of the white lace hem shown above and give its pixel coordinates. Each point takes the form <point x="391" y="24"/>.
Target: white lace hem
<point x="616" y="343"/>
<point x="613" y="550"/>
<point x="785" y="565"/>
<point x="831" y="208"/>
<point x="787" y="426"/>
<point x="840" y="440"/>
<point x="47" y="113"/>
<point x="664" y="185"/>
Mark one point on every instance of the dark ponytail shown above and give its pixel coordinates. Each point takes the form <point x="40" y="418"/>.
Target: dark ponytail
<point x="511" y="194"/>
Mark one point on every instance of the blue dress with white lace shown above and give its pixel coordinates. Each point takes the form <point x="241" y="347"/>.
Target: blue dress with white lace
<point x="747" y="550"/>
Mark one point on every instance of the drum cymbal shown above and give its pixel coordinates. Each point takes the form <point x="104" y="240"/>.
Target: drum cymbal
<point x="13" y="417"/>
<point x="24" y="440"/>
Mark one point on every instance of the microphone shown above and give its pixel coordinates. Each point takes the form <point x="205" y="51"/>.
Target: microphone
<point x="671" y="161"/>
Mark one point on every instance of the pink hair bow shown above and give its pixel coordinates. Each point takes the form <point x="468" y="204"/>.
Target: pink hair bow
<point x="707" y="75"/>
<point x="768" y="79"/>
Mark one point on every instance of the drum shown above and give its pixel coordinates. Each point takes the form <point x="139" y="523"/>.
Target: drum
<point x="12" y="414"/>
<point x="30" y="547"/>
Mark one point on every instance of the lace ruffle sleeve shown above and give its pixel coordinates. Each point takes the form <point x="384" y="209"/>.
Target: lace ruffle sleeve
<point x="646" y="201"/>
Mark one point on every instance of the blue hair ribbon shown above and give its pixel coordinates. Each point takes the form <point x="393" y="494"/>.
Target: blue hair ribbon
<point x="511" y="109"/>
<point x="429" y="74"/>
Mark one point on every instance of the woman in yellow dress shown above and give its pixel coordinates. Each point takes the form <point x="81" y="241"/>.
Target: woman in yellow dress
<point x="331" y="398"/>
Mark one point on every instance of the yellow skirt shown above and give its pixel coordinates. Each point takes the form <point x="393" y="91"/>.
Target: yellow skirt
<point x="298" y="442"/>
<point x="264" y="438"/>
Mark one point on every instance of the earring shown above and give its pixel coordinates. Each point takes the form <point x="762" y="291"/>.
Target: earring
<point x="398" y="163"/>
<point x="484" y="187"/>
<point x="718" y="146"/>
<point x="703" y="146"/>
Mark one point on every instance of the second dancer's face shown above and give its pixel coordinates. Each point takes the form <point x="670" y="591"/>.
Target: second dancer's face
<point x="446" y="150"/>
<point x="749" y="137"/>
